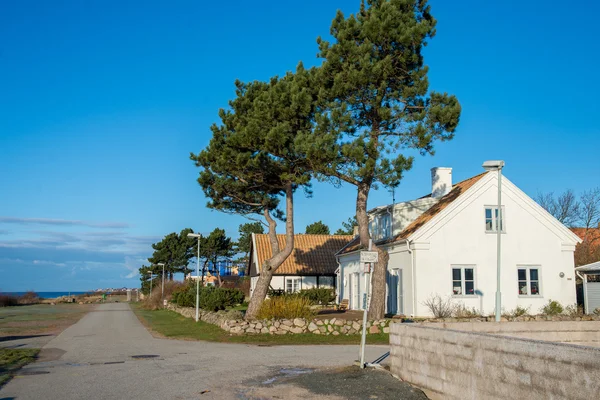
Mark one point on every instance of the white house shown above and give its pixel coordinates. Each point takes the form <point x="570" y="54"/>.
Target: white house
<point x="312" y="263"/>
<point x="445" y="244"/>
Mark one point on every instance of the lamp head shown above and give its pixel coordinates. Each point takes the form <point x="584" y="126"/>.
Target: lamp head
<point x="195" y="235"/>
<point x="493" y="165"/>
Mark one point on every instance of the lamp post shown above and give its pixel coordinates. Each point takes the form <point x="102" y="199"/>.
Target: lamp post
<point x="163" y="280"/>
<point x="198" y="236"/>
<point x="150" y="272"/>
<point x="497" y="165"/>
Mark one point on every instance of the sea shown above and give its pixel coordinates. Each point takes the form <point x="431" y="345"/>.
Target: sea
<point x="48" y="295"/>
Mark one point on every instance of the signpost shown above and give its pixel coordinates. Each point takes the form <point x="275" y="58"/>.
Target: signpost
<point x="366" y="258"/>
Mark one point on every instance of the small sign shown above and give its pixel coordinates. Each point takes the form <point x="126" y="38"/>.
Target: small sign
<point x="364" y="301"/>
<point x="369" y="256"/>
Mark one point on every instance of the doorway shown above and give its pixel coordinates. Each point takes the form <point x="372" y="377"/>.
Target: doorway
<point x="395" y="298"/>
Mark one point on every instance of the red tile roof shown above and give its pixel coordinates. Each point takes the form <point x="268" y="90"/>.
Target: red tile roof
<point x="457" y="190"/>
<point x="312" y="254"/>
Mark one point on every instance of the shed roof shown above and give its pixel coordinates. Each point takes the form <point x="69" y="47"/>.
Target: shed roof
<point x="312" y="254"/>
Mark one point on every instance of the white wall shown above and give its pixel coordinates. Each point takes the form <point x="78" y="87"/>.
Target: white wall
<point x="461" y="239"/>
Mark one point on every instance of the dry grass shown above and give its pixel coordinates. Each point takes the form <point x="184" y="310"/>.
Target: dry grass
<point x="155" y="300"/>
<point x="285" y="307"/>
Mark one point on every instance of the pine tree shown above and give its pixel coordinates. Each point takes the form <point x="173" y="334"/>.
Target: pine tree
<point x="375" y="98"/>
<point x="317" y="228"/>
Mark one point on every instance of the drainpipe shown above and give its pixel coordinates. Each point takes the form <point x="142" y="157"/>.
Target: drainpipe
<point x="414" y="280"/>
<point x="585" y="295"/>
<point x="341" y="280"/>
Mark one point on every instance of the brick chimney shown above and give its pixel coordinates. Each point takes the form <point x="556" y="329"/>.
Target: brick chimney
<point x="441" y="181"/>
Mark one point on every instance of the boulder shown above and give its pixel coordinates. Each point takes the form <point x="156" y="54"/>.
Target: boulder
<point x="335" y="333"/>
<point x="374" y="329"/>
<point x="296" y="329"/>
<point x="339" y="322"/>
<point x="312" y="327"/>
<point x="299" y="322"/>
<point x="330" y="328"/>
<point x="319" y="322"/>
<point x="287" y="322"/>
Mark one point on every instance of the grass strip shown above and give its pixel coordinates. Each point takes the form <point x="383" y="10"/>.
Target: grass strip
<point x="11" y="360"/>
<point x="172" y="325"/>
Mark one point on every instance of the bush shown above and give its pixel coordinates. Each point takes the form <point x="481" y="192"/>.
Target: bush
<point x="29" y="298"/>
<point x="574" y="310"/>
<point x="552" y="308"/>
<point x="460" y="311"/>
<point x="322" y="296"/>
<point x="517" y="312"/>
<point x="211" y="298"/>
<point x="155" y="301"/>
<point x="7" y="300"/>
<point x="286" y="307"/>
<point x="439" y="307"/>
<point x="597" y="311"/>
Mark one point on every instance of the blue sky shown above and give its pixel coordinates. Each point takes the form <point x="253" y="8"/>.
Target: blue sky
<point x="101" y="103"/>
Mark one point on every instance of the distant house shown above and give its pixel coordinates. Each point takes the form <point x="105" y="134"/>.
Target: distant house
<point x="312" y="262"/>
<point x="445" y="244"/>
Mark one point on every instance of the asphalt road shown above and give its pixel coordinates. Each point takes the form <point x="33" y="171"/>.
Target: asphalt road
<point x="98" y="358"/>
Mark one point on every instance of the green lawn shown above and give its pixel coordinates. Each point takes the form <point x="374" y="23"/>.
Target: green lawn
<point x="13" y="359"/>
<point x="172" y="325"/>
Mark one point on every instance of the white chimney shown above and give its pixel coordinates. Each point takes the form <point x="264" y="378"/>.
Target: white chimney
<point x="441" y="181"/>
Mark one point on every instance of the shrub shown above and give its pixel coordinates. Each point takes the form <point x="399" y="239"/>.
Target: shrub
<point x="552" y="308"/>
<point x="211" y="298"/>
<point x="321" y="296"/>
<point x="597" y="311"/>
<point x="7" y="300"/>
<point x="286" y="307"/>
<point x="574" y="310"/>
<point x="516" y="312"/>
<point x="155" y="301"/>
<point x="439" y="307"/>
<point x="460" y="311"/>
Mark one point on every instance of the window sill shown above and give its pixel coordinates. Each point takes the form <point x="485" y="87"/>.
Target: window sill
<point x="495" y="233"/>
<point x="529" y="296"/>
<point x="464" y="296"/>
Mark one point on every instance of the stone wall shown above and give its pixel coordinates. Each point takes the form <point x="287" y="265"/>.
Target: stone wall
<point x="233" y="322"/>
<point x="468" y="365"/>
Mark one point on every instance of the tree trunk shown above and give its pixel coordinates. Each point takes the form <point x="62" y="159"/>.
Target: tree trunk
<point x="378" y="272"/>
<point x="279" y="256"/>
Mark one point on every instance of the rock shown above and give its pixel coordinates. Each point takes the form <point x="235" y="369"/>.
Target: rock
<point x="296" y="329"/>
<point x="299" y="322"/>
<point x="330" y="328"/>
<point x="276" y="324"/>
<point x="312" y="327"/>
<point x="386" y="329"/>
<point x="236" y="330"/>
<point x="356" y="326"/>
<point x="259" y="326"/>
<point x="272" y="329"/>
<point x="319" y="322"/>
<point x="284" y="328"/>
<point x="352" y="331"/>
<point x="251" y="330"/>
<point x="332" y="322"/>
<point x="335" y="333"/>
<point x="374" y="329"/>
<point x="287" y="322"/>
<point x="264" y="330"/>
<point x="339" y="322"/>
<point x="323" y="329"/>
<point x="317" y="332"/>
<point x="280" y="332"/>
<point x="81" y="302"/>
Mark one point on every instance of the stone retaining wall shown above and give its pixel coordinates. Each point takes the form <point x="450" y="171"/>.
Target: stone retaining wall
<point x="232" y="322"/>
<point x="468" y="365"/>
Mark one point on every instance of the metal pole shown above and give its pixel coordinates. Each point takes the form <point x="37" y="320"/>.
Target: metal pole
<point x="163" y="283"/>
<point x="151" y="284"/>
<point x="198" y="281"/>
<point x="499" y="227"/>
<point x="363" y="339"/>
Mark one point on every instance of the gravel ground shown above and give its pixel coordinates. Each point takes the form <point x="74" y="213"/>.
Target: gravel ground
<point x="337" y="383"/>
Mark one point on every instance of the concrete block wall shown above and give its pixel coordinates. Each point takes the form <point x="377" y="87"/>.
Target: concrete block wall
<point x="471" y="365"/>
<point x="584" y="333"/>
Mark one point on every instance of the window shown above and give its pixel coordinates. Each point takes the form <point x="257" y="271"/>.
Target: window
<point x="292" y="285"/>
<point x="463" y="281"/>
<point x="380" y="227"/>
<point x="325" y="281"/>
<point x="491" y="219"/>
<point x="529" y="281"/>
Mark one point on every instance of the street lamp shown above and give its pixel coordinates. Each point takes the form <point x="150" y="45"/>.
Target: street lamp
<point x="497" y="165"/>
<point x="196" y="235"/>
<point x="150" y="272"/>
<point x="163" y="280"/>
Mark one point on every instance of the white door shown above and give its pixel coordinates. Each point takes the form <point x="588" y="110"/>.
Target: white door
<point x="356" y="304"/>
<point x="395" y="298"/>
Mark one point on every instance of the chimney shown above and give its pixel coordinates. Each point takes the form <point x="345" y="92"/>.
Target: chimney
<point x="355" y="230"/>
<point x="441" y="181"/>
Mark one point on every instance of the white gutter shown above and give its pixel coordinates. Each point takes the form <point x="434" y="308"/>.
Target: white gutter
<point x="585" y="295"/>
<point x="414" y="280"/>
<point x="341" y="274"/>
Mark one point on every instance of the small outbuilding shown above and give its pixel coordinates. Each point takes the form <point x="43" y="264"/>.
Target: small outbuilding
<point x="590" y="275"/>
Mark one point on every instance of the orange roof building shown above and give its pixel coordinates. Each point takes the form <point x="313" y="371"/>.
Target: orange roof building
<point x="312" y="262"/>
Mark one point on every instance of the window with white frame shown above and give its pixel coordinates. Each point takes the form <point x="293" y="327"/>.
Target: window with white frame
<point x="292" y="285"/>
<point x="380" y="227"/>
<point x="326" y="281"/>
<point x="463" y="281"/>
<point x="529" y="281"/>
<point x="491" y="219"/>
